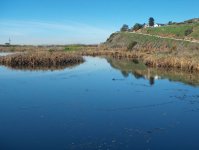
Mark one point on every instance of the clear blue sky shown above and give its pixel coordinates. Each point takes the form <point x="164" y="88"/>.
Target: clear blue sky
<point x="83" y="21"/>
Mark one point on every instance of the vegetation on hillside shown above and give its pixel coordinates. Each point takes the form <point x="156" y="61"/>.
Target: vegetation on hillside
<point x="188" y="30"/>
<point x="150" y="43"/>
<point x="182" y="31"/>
<point x="151" y="21"/>
<point x="158" y="52"/>
<point x="124" y="28"/>
<point x="137" y="27"/>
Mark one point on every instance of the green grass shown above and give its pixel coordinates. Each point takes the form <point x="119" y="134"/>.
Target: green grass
<point x="195" y="34"/>
<point x="153" y="44"/>
<point x="72" y="48"/>
<point x="142" y="39"/>
<point x="177" y="31"/>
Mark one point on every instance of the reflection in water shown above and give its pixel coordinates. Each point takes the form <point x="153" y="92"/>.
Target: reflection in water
<point x="42" y="68"/>
<point x="151" y="80"/>
<point x="93" y="107"/>
<point x="139" y="70"/>
<point x="6" y="53"/>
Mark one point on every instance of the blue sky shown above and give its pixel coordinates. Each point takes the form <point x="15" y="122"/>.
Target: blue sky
<point x="83" y="21"/>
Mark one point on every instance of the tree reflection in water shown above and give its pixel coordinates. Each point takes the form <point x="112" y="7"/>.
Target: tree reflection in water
<point x="140" y="71"/>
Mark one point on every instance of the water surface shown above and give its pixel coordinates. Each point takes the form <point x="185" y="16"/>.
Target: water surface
<point x="102" y="104"/>
<point x="6" y="53"/>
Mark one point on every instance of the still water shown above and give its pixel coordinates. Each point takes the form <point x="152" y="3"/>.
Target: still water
<point x="102" y="104"/>
<point x="6" y="53"/>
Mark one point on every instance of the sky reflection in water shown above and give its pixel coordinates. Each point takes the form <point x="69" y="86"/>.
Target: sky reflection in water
<point x="95" y="106"/>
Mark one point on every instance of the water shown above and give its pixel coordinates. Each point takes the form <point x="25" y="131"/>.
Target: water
<point x="99" y="105"/>
<point x="6" y="53"/>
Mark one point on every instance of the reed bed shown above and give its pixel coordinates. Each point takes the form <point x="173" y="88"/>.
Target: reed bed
<point x="60" y="58"/>
<point x="151" y="59"/>
<point x="140" y="70"/>
<point x="41" y="59"/>
<point x="183" y="63"/>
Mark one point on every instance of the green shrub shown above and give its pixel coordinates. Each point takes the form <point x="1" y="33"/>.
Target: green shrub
<point x="12" y="49"/>
<point x="132" y="45"/>
<point x="51" y="50"/>
<point x="188" y="32"/>
<point x="124" y="28"/>
<point x="72" y="48"/>
<point x="137" y="26"/>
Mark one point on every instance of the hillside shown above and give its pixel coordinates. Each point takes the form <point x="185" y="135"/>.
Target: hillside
<point x="135" y="41"/>
<point x="157" y="51"/>
<point x="184" y="30"/>
<point x="175" y="36"/>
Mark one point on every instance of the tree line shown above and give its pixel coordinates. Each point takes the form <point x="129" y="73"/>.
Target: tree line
<point x="137" y="26"/>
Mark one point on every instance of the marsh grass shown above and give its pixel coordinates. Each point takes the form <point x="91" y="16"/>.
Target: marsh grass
<point x="73" y="48"/>
<point x="141" y="70"/>
<point x="172" y="58"/>
<point x="46" y="60"/>
<point x="46" y="48"/>
<point x="151" y="59"/>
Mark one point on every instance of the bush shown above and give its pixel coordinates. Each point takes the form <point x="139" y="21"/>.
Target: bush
<point x="188" y="32"/>
<point x="111" y="37"/>
<point x="72" y="48"/>
<point x="137" y="26"/>
<point x="51" y="50"/>
<point x="124" y="28"/>
<point x="131" y="45"/>
<point x="12" y="49"/>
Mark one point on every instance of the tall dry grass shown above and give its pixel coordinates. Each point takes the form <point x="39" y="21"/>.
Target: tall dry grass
<point x="158" y="59"/>
<point x="41" y="59"/>
<point x="151" y="59"/>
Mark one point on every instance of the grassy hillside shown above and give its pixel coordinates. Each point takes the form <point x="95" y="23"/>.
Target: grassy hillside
<point x="157" y="52"/>
<point x="186" y="30"/>
<point x="133" y="41"/>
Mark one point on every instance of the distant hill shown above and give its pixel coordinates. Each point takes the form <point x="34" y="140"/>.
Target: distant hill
<point x="192" y="20"/>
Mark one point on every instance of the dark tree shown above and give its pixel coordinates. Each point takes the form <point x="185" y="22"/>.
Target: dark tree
<point x="124" y="28"/>
<point x="151" y="21"/>
<point x="170" y="23"/>
<point x="137" y="26"/>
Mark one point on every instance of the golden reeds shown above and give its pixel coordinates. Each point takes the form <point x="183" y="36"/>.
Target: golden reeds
<point x="150" y="59"/>
<point x="41" y="59"/>
<point x="60" y="58"/>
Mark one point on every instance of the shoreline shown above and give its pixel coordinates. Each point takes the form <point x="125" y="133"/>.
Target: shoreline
<point x="149" y="58"/>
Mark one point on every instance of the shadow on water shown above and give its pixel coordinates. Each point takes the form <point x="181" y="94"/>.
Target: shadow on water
<point x="140" y="70"/>
<point x="43" y="68"/>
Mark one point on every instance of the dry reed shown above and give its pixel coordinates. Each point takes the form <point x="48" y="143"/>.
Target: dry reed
<point x="41" y="59"/>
